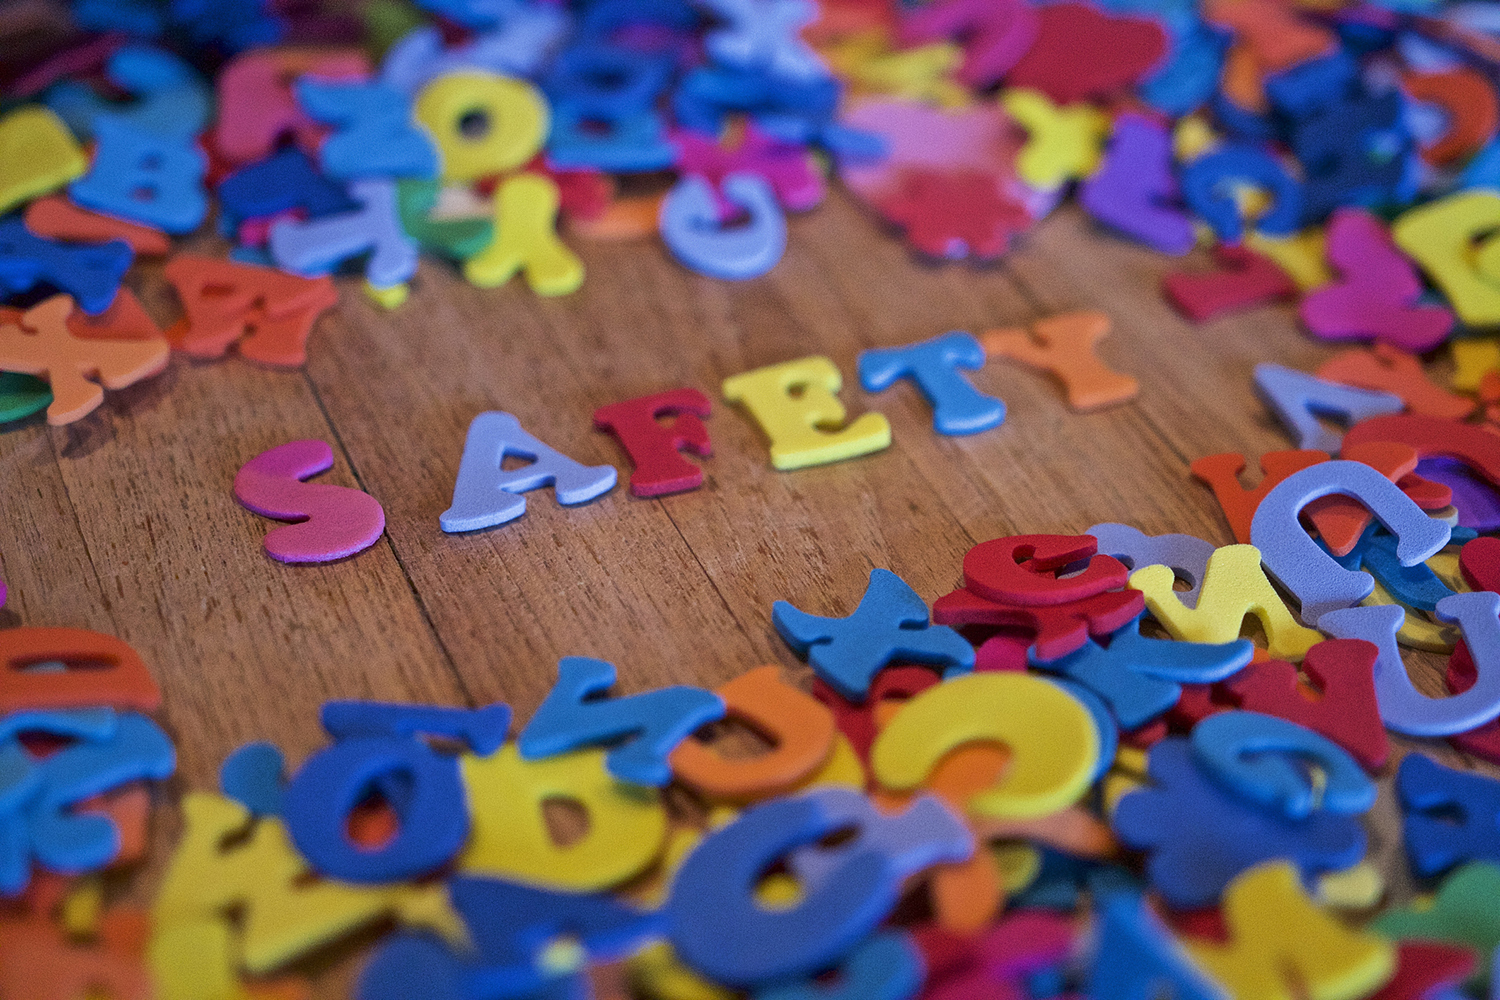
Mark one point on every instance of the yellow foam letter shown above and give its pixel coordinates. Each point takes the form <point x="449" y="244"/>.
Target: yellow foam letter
<point x="1194" y="137"/>
<point x="1441" y="236"/>
<point x="924" y="73"/>
<point x="526" y="238"/>
<point x="657" y="973"/>
<point x="482" y="123"/>
<point x="627" y="826"/>
<point x="283" y="914"/>
<point x="1358" y="887"/>
<point x="194" y="961"/>
<point x="1066" y="143"/>
<point x="37" y="155"/>
<point x="1473" y="358"/>
<point x="1234" y="586"/>
<point x="1300" y="255"/>
<point x="793" y="402"/>
<point x="1277" y="934"/>
<point x="1051" y="737"/>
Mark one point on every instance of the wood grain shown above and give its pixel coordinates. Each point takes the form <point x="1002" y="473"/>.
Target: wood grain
<point x="1200" y="395"/>
<point x="125" y="523"/>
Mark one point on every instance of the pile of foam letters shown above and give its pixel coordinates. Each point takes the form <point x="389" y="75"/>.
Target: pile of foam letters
<point x="1340" y="153"/>
<point x="1069" y="777"/>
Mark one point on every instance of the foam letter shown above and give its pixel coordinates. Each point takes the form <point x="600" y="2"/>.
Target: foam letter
<point x="1132" y="190"/>
<point x="1186" y="555"/>
<point x="652" y="723"/>
<point x="627" y="826"/>
<point x="1450" y="817"/>
<point x="889" y="624"/>
<point x="282" y="913"/>
<point x="1065" y="346"/>
<point x="434" y="819"/>
<point x="38" y="797"/>
<point x="957" y="407"/>
<point x="1064" y="142"/>
<point x="44" y="346"/>
<point x="1247" y="752"/>
<point x="1051" y="736"/>
<point x="115" y="675"/>
<point x="38" y="155"/>
<point x="1298" y="399"/>
<point x="256" y="103"/>
<point x="1348" y="712"/>
<point x="1233" y="586"/>
<point x="1136" y="957"/>
<point x="1140" y="678"/>
<point x="1378" y="292"/>
<point x="90" y="273"/>
<point x="318" y="245"/>
<point x="717" y="925"/>
<point x="996" y="35"/>
<point x="1207" y="184"/>
<point x="1443" y="237"/>
<point x="485" y="495"/>
<point x="692" y="226"/>
<point x="482" y="123"/>
<point x="268" y="312"/>
<point x="1276" y="933"/>
<point x="763" y="35"/>
<point x="1296" y="561"/>
<point x="793" y="401"/>
<point x="799" y="727"/>
<point x="659" y="469"/>
<point x="482" y="730"/>
<point x="332" y="521"/>
<point x="525" y="240"/>
<point x="378" y="138"/>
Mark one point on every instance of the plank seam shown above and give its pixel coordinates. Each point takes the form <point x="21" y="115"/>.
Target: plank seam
<point x="82" y="536"/>
<point x="390" y="543"/>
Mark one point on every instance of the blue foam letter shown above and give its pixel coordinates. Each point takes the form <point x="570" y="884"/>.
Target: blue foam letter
<point x="378" y="138"/>
<point x="654" y="722"/>
<point x="891" y="623"/>
<point x="1135" y="957"/>
<point x="481" y="729"/>
<point x="957" y="407"/>
<point x="485" y="495"/>
<point x="316" y="246"/>
<point x="144" y="177"/>
<point x="690" y="225"/>
<point x="1141" y="678"/>
<point x="1247" y="752"/>
<point x="717" y="926"/>
<point x="1298" y="399"/>
<point x="1299" y="564"/>
<point x="434" y="814"/>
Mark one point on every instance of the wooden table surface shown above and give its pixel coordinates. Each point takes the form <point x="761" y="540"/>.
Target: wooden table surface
<point x="125" y="523"/>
